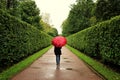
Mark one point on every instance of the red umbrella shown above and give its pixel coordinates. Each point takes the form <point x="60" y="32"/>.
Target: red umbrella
<point x="59" y="41"/>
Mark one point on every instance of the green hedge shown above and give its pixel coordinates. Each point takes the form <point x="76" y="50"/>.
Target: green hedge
<point x="101" y="41"/>
<point x="19" y="39"/>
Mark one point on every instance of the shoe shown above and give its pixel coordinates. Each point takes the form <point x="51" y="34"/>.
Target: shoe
<point x="58" y="66"/>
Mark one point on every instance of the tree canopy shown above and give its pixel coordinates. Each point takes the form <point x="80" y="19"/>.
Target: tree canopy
<point x="86" y="13"/>
<point x="47" y="28"/>
<point x="79" y="16"/>
<point x="105" y="9"/>
<point x="30" y="13"/>
<point x="27" y="10"/>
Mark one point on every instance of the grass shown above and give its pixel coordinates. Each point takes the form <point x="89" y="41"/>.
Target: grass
<point x="107" y="73"/>
<point x="9" y="73"/>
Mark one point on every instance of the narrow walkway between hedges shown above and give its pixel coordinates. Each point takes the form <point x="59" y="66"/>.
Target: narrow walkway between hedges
<point x="71" y="68"/>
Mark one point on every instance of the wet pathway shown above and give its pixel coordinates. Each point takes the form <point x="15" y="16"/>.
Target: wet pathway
<point x="44" y="68"/>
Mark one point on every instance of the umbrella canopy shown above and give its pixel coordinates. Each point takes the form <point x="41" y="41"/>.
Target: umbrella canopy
<point x="59" y="41"/>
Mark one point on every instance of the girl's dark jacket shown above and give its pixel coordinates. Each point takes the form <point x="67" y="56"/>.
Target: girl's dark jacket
<point x="57" y="50"/>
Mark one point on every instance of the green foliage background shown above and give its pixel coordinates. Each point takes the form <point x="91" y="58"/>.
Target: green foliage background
<point x="79" y="17"/>
<point x="86" y="13"/>
<point x="101" y="41"/>
<point x="47" y="28"/>
<point x="19" y="39"/>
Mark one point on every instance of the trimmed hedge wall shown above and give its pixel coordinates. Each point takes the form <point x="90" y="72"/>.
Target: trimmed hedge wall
<point x="19" y="39"/>
<point x="101" y="41"/>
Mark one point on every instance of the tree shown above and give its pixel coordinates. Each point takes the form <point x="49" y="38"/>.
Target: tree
<point x="65" y="28"/>
<point x="101" y="10"/>
<point x="113" y="8"/>
<point x="79" y="16"/>
<point x="105" y="9"/>
<point x="53" y="32"/>
<point x="30" y="13"/>
<point x="46" y="17"/>
<point x="2" y="4"/>
<point x="47" y="28"/>
<point x="11" y="6"/>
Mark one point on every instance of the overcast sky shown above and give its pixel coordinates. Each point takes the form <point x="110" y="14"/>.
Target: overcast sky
<point x="58" y="10"/>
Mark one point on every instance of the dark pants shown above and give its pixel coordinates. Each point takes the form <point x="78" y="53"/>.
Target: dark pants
<point x="57" y="59"/>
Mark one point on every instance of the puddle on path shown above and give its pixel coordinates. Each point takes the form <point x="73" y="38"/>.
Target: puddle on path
<point x="35" y="67"/>
<point x="69" y="68"/>
<point x="65" y="58"/>
<point x="68" y="61"/>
